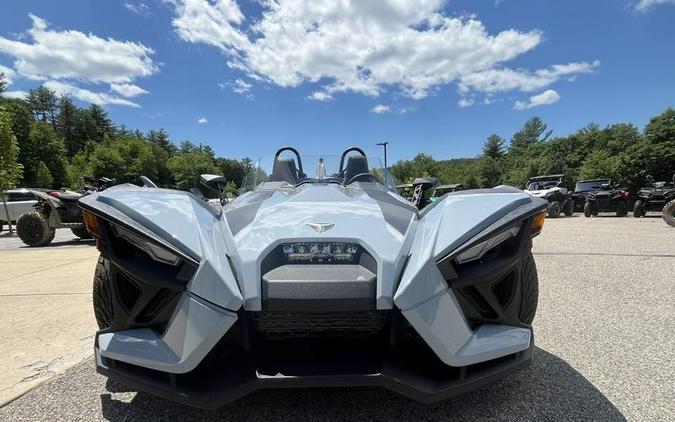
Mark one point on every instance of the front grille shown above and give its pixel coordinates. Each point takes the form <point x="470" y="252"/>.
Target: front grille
<point x="280" y="325"/>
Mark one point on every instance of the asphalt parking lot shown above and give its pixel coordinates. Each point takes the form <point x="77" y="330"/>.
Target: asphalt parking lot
<point x="605" y="349"/>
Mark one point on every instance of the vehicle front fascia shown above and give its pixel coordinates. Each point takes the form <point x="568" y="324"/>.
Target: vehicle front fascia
<point x="233" y="253"/>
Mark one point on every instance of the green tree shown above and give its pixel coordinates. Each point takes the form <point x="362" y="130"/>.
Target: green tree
<point x="10" y="168"/>
<point x="44" y="176"/>
<point x="66" y="126"/>
<point x="494" y="147"/>
<point x="21" y="120"/>
<point x="3" y="83"/>
<point x="533" y="131"/>
<point x="600" y="164"/>
<point x="161" y="138"/>
<point x="43" y="103"/>
<point x="102" y="125"/>
<point x="661" y="129"/>
<point x="188" y="166"/>
<point x="233" y="170"/>
<point x="49" y="149"/>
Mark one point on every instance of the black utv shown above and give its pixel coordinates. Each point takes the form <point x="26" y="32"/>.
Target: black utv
<point x="658" y="197"/>
<point x="601" y="196"/>
<point x="552" y="188"/>
<point x="56" y="210"/>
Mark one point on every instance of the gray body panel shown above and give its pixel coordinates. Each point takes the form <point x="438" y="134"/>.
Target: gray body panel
<point x="254" y="224"/>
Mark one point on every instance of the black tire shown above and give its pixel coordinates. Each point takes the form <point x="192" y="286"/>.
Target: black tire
<point x="587" y="209"/>
<point x="621" y="209"/>
<point x="81" y="232"/>
<point x="669" y="213"/>
<point x="569" y="208"/>
<point x="102" y="294"/>
<point x="33" y="229"/>
<point x="553" y="209"/>
<point x="529" y="290"/>
<point x="639" y="209"/>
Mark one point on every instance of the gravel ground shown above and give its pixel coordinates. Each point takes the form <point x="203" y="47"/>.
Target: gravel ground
<point x="605" y="350"/>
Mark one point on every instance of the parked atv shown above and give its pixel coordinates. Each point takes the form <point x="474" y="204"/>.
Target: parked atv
<point x="606" y="199"/>
<point x="420" y="186"/>
<point x="552" y="188"/>
<point x="584" y="187"/>
<point x="441" y="190"/>
<point x="55" y="210"/>
<point x="658" y="197"/>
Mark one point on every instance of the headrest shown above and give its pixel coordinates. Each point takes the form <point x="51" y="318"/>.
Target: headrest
<point x="284" y="171"/>
<point x="355" y="165"/>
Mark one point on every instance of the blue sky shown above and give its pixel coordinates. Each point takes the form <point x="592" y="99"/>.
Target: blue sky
<point x="428" y="75"/>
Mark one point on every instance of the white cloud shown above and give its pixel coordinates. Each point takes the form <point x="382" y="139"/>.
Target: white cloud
<point x="501" y="80"/>
<point x="10" y="75"/>
<point x="14" y="94"/>
<point x="320" y="96"/>
<point x="465" y="102"/>
<point x="127" y="90"/>
<point x="100" y="98"/>
<point x="644" y="5"/>
<point x="201" y="120"/>
<point x="138" y="8"/>
<point x="241" y="87"/>
<point x="355" y="46"/>
<point x="67" y="58"/>
<point x="75" y="55"/>
<point x="547" y="97"/>
<point x="382" y="108"/>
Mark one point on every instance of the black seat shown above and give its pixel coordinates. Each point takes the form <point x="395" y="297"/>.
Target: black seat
<point x="70" y="196"/>
<point x="356" y="164"/>
<point x="284" y="171"/>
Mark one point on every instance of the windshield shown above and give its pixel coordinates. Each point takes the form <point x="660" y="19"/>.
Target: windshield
<point x="590" y="185"/>
<point x="314" y="168"/>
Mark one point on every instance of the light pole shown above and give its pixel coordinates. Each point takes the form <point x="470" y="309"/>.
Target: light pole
<point x="384" y="144"/>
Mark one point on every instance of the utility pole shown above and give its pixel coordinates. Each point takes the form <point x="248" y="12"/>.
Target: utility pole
<point x="384" y="144"/>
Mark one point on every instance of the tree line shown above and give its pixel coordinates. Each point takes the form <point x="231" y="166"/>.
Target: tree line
<point x="47" y="141"/>
<point x="630" y="157"/>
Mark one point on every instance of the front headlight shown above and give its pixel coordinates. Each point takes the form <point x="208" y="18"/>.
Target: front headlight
<point x="477" y="251"/>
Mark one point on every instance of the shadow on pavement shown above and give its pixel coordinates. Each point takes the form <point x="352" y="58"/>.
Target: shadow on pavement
<point x="549" y="390"/>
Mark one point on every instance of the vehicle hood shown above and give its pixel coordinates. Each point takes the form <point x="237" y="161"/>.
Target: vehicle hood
<point x="261" y="218"/>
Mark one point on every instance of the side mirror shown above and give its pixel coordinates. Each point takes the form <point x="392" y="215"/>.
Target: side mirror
<point x="216" y="182"/>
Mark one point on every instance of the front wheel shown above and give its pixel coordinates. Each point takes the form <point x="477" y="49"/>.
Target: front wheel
<point x="529" y="290"/>
<point x="587" y="209"/>
<point x="639" y="209"/>
<point x="569" y="208"/>
<point x="554" y="209"/>
<point x="669" y="213"/>
<point x="102" y="294"/>
<point x="33" y="229"/>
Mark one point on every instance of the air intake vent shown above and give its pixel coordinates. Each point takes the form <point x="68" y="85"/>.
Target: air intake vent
<point x="319" y="324"/>
<point x="128" y="292"/>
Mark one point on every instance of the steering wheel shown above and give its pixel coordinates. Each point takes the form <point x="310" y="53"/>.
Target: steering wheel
<point x="301" y="173"/>
<point x="344" y="155"/>
<point x="360" y="175"/>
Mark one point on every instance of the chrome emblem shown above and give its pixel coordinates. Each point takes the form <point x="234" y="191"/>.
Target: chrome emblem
<point x="320" y="227"/>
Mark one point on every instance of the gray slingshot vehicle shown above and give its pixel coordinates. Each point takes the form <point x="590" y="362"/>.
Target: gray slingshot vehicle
<point x="312" y="281"/>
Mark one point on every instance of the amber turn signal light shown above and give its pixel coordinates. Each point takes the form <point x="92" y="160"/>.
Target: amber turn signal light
<point x="91" y="223"/>
<point x="538" y="223"/>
